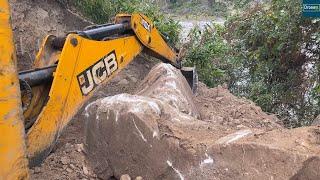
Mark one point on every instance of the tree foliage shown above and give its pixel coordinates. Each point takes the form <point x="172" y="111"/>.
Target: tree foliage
<point x="209" y="52"/>
<point x="102" y="11"/>
<point x="274" y="53"/>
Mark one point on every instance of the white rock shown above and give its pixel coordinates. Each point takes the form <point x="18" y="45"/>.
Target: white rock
<point x="125" y="177"/>
<point x="123" y="82"/>
<point x="85" y="170"/>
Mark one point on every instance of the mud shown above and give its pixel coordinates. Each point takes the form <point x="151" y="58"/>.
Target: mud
<point x="127" y="118"/>
<point x="158" y="134"/>
<point x="33" y="20"/>
<point x="219" y="106"/>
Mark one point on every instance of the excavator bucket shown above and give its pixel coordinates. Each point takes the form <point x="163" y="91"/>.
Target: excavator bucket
<point x="191" y="76"/>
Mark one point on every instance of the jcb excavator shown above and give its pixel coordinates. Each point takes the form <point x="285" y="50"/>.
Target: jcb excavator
<point x="37" y="104"/>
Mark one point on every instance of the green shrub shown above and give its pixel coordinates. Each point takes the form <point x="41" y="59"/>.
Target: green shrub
<point x="280" y="50"/>
<point x="101" y="11"/>
<point x="212" y="57"/>
<point x="268" y="53"/>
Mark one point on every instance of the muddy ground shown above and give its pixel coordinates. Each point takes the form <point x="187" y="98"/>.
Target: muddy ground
<point x="32" y="20"/>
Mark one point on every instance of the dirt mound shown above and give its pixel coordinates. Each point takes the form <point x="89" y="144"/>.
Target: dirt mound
<point x="219" y="106"/>
<point x="156" y="134"/>
<point x="67" y="162"/>
<point x="138" y="134"/>
<point x="33" y="20"/>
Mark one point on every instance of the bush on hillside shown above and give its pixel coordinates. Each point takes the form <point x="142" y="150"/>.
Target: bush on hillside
<point x="101" y="11"/>
<point x="273" y="53"/>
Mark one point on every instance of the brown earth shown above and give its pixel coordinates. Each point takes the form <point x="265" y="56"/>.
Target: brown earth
<point x="158" y="134"/>
<point x="33" y="20"/>
<point x="219" y="106"/>
<point x="221" y="113"/>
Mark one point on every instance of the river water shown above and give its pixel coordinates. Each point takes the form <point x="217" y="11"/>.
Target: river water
<point x="188" y="24"/>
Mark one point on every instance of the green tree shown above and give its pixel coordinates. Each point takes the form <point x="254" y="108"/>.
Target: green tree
<point x="280" y="50"/>
<point x="268" y="53"/>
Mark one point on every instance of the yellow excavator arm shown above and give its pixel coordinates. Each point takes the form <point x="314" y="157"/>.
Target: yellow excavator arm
<point x="81" y="62"/>
<point x="67" y="71"/>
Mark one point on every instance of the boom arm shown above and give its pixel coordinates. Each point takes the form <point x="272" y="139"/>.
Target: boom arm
<point x="87" y="60"/>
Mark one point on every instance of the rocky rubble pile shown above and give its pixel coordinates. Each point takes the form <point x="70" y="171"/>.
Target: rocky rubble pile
<point x="219" y="106"/>
<point x="66" y="163"/>
<point x="161" y="132"/>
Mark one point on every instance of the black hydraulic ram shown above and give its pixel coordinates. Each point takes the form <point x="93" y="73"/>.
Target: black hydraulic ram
<point x="37" y="77"/>
<point x="98" y="33"/>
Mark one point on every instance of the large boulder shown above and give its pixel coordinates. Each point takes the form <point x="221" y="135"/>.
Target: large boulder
<point x="158" y="134"/>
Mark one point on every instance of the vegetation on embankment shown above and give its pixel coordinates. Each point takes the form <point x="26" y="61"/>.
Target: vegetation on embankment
<point x="102" y="11"/>
<point x="269" y="54"/>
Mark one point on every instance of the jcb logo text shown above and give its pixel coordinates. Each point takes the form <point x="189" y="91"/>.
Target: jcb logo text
<point x="97" y="73"/>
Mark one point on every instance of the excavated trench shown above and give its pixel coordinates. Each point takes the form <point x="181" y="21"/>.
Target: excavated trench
<point x="152" y="126"/>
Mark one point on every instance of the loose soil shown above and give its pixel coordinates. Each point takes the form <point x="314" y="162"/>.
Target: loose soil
<point x="219" y="106"/>
<point x="32" y="20"/>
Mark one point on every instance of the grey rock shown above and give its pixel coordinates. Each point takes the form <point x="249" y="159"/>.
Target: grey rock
<point x="123" y="82"/>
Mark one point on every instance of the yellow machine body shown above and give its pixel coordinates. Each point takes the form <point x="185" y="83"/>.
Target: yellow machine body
<point x="13" y="162"/>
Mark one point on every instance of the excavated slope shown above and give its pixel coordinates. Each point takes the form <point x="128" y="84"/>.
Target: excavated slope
<point x="160" y="133"/>
<point x="217" y="113"/>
